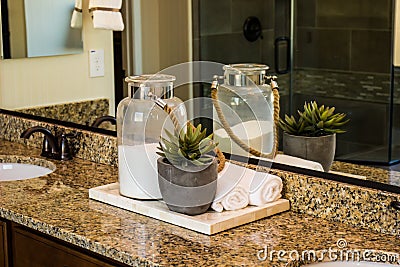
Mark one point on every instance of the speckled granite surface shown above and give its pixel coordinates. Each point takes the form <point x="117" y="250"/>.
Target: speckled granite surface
<point x="82" y="112"/>
<point x="366" y="208"/>
<point x="353" y="205"/>
<point x="371" y="173"/>
<point x="357" y="206"/>
<point x="58" y="205"/>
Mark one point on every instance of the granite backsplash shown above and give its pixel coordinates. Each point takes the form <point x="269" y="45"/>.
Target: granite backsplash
<point x="81" y="112"/>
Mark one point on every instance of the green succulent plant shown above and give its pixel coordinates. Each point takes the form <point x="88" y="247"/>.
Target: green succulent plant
<point x="314" y="120"/>
<point x="188" y="147"/>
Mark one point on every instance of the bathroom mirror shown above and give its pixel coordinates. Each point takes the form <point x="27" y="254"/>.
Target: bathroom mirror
<point x="36" y="28"/>
<point x="332" y="63"/>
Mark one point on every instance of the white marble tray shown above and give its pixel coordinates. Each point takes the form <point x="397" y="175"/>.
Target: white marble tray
<point x="208" y="223"/>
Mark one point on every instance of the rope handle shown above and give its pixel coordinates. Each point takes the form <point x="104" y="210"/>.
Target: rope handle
<point x="235" y="138"/>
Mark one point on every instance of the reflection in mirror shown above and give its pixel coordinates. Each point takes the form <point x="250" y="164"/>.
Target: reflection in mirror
<point x="334" y="62"/>
<point x="60" y="87"/>
<point x="81" y="112"/>
<point x="34" y="28"/>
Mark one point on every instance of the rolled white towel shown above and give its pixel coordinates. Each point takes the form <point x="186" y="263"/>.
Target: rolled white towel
<point x="236" y="199"/>
<point x="106" y="14"/>
<point x="76" y="20"/>
<point x="265" y="188"/>
<point x="232" y="188"/>
<point x="298" y="162"/>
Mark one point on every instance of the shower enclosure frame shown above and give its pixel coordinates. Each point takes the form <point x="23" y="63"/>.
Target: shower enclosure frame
<point x="391" y="158"/>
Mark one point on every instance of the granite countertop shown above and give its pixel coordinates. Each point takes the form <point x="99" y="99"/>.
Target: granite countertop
<point x="58" y="205"/>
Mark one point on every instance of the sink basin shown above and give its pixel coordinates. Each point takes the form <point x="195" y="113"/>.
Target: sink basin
<point x="350" y="264"/>
<point x="14" y="168"/>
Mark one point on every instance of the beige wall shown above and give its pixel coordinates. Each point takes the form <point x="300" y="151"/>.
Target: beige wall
<point x="397" y="35"/>
<point x="51" y="80"/>
<point x="150" y="36"/>
<point x="17" y="25"/>
<point x="166" y="36"/>
<point x="166" y="33"/>
<point x="175" y="32"/>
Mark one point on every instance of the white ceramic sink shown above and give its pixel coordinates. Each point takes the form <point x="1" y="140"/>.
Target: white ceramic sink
<point x="350" y="264"/>
<point x="22" y="168"/>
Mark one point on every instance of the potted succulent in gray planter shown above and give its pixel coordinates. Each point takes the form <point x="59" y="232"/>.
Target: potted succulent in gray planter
<point x="187" y="173"/>
<point x="313" y="135"/>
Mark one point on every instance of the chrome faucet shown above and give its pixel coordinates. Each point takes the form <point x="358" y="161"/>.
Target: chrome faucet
<point x="102" y="119"/>
<point x="54" y="146"/>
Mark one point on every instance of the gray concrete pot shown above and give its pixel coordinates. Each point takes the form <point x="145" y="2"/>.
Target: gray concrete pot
<point x="189" y="192"/>
<point x="320" y="149"/>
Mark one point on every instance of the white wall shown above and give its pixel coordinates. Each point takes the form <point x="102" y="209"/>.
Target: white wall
<point x="40" y="81"/>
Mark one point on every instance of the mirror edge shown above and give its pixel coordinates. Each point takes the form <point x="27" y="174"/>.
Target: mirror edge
<point x="1" y="35"/>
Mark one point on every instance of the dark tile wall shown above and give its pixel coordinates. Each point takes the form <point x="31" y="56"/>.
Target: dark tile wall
<point x="343" y="58"/>
<point x="215" y="17"/>
<point x="220" y="31"/>
<point x="371" y="51"/>
<point x="306" y="13"/>
<point x="196" y="29"/>
<point x="241" y="9"/>
<point x="352" y="14"/>
<point x="349" y="35"/>
<point x="322" y="48"/>
<point x="396" y="115"/>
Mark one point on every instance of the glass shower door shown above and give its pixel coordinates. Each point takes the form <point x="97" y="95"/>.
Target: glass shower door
<point x="337" y="52"/>
<point x="343" y="58"/>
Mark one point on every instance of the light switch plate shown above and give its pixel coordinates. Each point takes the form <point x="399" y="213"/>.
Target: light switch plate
<point x="96" y="62"/>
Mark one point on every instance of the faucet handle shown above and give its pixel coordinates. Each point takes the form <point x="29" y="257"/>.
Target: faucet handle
<point x="47" y="150"/>
<point x="65" y="150"/>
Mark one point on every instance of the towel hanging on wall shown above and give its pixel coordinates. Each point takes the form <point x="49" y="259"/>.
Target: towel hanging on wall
<point x="106" y="14"/>
<point x="76" y="20"/>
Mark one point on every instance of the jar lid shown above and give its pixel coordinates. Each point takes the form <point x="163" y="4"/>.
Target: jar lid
<point x="149" y="78"/>
<point x="245" y="74"/>
<point x="160" y="85"/>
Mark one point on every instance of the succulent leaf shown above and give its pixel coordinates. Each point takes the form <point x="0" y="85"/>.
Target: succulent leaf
<point x="192" y="145"/>
<point x="314" y="120"/>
